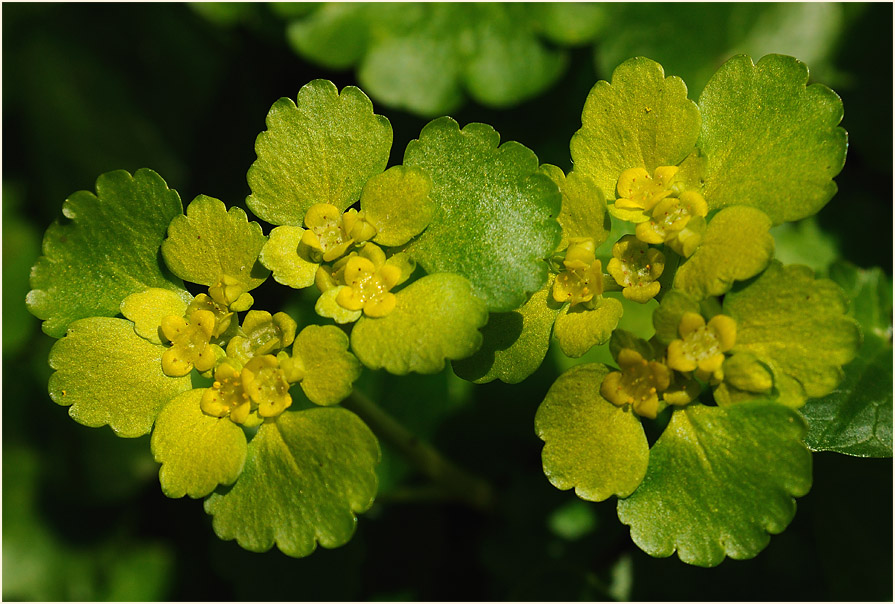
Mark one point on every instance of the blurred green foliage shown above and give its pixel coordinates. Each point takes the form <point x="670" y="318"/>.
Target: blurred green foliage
<point x="93" y="88"/>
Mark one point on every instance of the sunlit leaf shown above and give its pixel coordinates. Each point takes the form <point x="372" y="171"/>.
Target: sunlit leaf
<point x="108" y="374"/>
<point x="210" y="242"/>
<point x="590" y="444"/>
<point x="495" y="216"/>
<point x="720" y="481"/>
<point x="305" y="477"/>
<point x="321" y="149"/>
<point x="197" y="451"/>
<point x="107" y="250"/>
<point x="436" y="319"/>
<point x="771" y="141"/>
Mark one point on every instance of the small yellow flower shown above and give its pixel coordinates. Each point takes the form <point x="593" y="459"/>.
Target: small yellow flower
<point x="265" y="383"/>
<point x="262" y="333"/>
<point x="636" y="267"/>
<point x="367" y="279"/>
<point x="637" y="190"/>
<point x="638" y="383"/>
<point x="226" y="291"/>
<point x="330" y="233"/>
<point x="227" y="397"/>
<point x="702" y="347"/>
<point x="671" y="216"/>
<point x="223" y="316"/>
<point x="582" y="278"/>
<point x="190" y="343"/>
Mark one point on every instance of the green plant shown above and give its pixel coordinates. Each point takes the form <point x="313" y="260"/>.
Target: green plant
<point x="472" y="252"/>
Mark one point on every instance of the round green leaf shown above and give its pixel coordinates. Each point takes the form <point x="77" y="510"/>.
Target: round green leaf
<point x="495" y="217"/>
<point x="110" y="375"/>
<point x="436" y="318"/>
<point x="735" y="247"/>
<point x="514" y="343"/>
<point x="280" y="255"/>
<point x="771" y="141"/>
<point x="641" y="120"/>
<point x="579" y="329"/>
<point x="210" y="242"/>
<point x="147" y="309"/>
<point x="720" y="479"/>
<point x="305" y="477"/>
<point x="798" y="326"/>
<point x="590" y="444"/>
<point x="107" y="250"/>
<point x="583" y="212"/>
<point x="320" y="150"/>
<point x="397" y="203"/>
<point x="330" y="370"/>
<point x="197" y="451"/>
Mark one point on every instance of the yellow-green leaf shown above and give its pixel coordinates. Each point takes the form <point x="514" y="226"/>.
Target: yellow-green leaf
<point x="796" y="325"/>
<point x="210" y="242"/>
<point x="583" y="212"/>
<point x="641" y="120"/>
<point x="280" y="255"/>
<point x="397" y="203"/>
<point x="436" y="318"/>
<point x="105" y="251"/>
<point x="720" y="479"/>
<point x="109" y="375"/>
<point x="578" y="329"/>
<point x="590" y="444"/>
<point x="321" y="149"/>
<point x="514" y="343"/>
<point x="147" y="308"/>
<point x="735" y="247"/>
<point x="771" y="141"/>
<point x="330" y="370"/>
<point x="197" y="451"/>
<point x="305" y="477"/>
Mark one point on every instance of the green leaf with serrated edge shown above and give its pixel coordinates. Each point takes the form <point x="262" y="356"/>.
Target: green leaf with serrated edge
<point x="514" y="343"/>
<point x="735" y="247"/>
<point x="108" y="251"/>
<point x="579" y="329"/>
<point x="590" y="444"/>
<point x="110" y="375"/>
<point x="320" y="150"/>
<point x="330" y="370"/>
<point x="280" y="255"/>
<point x="495" y="217"/>
<point x="798" y="326"/>
<point x="435" y="319"/>
<point x="397" y="203"/>
<point x="641" y="120"/>
<point x="856" y="418"/>
<point x="197" y="451"/>
<point x="210" y="242"/>
<point x="583" y="210"/>
<point x="720" y="481"/>
<point x="305" y="477"/>
<point x="147" y="309"/>
<point x="771" y="142"/>
<point x="667" y="318"/>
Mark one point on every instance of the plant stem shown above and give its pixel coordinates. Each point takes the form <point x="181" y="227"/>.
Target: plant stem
<point x="451" y="482"/>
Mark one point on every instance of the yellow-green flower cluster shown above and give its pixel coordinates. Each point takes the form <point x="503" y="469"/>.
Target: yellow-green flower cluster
<point x="254" y="392"/>
<point x="650" y="385"/>
<point x="331" y="233"/>
<point x="362" y="281"/>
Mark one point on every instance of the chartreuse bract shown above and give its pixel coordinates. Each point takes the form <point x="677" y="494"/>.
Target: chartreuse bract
<point x="215" y="379"/>
<point x="741" y="341"/>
